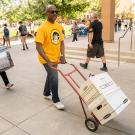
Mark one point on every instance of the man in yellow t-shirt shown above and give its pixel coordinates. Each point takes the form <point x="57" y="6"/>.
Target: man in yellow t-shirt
<point x="50" y="46"/>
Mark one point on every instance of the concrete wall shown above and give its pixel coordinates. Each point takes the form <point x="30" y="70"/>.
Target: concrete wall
<point x="108" y="14"/>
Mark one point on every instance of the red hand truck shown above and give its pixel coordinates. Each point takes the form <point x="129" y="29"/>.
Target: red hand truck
<point x="92" y="122"/>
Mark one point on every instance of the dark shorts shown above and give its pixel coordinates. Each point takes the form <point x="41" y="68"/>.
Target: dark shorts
<point x="97" y="51"/>
<point x="23" y="35"/>
<point x="6" y="38"/>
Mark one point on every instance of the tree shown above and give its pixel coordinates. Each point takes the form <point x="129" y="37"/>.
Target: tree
<point x="4" y="5"/>
<point x="117" y="3"/>
<point x="64" y="6"/>
<point x="70" y="8"/>
<point x="35" y="9"/>
<point x="95" y="5"/>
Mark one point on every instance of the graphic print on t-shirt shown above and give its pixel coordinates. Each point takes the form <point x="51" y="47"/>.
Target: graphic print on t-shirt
<point x="55" y="36"/>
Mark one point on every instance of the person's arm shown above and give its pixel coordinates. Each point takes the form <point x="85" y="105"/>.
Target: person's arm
<point x="19" y="29"/>
<point x="17" y="33"/>
<point x="72" y="29"/>
<point x="62" y="52"/>
<point x="40" y="50"/>
<point x="90" y="37"/>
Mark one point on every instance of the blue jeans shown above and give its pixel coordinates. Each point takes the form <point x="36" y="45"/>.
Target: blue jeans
<point x="51" y="84"/>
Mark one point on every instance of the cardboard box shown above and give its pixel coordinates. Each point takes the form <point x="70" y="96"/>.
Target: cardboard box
<point x="111" y="106"/>
<point x="88" y="92"/>
<point x="96" y="88"/>
<point x="5" y="61"/>
<point x="103" y="83"/>
<point x="2" y="48"/>
<point x="103" y="97"/>
<point x="100" y="99"/>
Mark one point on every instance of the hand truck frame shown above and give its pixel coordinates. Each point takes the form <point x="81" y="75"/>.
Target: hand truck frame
<point x="92" y="122"/>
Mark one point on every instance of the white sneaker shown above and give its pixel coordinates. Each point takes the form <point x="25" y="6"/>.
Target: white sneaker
<point x="59" y="105"/>
<point x="48" y="97"/>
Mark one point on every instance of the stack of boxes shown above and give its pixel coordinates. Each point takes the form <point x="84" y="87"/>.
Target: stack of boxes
<point x="103" y="97"/>
<point x="5" y="59"/>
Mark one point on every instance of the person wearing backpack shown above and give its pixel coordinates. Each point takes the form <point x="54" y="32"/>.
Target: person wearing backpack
<point x="23" y="34"/>
<point x="75" y="31"/>
<point x="6" y="36"/>
<point x="95" y="43"/>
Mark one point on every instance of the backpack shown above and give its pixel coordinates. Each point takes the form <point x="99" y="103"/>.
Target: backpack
<point x="6" y="32"/>
<point x="24" y="30"/>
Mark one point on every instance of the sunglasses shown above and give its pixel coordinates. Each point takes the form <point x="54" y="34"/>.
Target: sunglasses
<point x="53" y="11"/>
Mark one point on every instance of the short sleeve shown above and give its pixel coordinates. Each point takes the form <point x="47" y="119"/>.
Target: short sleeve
<point x="40" y="36"/>
<point x="19" y="28"/>
<point x="62" y="33"/>
<point x="91" y="28"/>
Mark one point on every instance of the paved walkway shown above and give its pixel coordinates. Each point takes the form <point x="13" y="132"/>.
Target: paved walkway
<point x="125" y="42"/>
<point x="82" y="42"/>
<point x="24" y="111"/>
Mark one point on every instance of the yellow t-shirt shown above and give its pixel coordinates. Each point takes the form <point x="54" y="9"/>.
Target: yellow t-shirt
<point x="50" y="36"/>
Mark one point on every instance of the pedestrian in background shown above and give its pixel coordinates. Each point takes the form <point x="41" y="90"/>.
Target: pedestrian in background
<point x="6" y="38"/>
<point x="130" y="24"/>
<point x="95" y="43"/>
<point x="75" y="31"/>
<point x="119" y="25"/>
<point x="116" y="25"/>
<point x="23" y="34"/>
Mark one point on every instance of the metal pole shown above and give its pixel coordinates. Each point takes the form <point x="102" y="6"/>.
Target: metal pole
<point x="131" y="44"/>
<point x="119" y="46"/>
<point x="119" y="53"/>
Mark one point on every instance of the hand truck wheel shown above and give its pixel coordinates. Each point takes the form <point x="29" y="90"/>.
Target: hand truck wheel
<point x="91" y="124"/>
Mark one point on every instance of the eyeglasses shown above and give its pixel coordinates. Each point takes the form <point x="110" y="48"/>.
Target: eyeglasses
<point x="53" y="11"/>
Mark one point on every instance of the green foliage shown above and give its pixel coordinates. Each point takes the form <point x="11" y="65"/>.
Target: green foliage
<point x="70" y="8"/>
<point x="117" y="3"/>
<point x="95" y="5"/>
<point x="35" y="9"/>
<point x="4" y="4"/>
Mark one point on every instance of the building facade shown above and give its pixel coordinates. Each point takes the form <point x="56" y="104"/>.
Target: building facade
<point x="126" y="6"/>
<point x="133" y="7"/>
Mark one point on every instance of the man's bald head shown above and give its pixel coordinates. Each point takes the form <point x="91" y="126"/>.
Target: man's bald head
<point x="51" y="13"/>
<point x="93" y="16"/>
<point x="50" y="7"/>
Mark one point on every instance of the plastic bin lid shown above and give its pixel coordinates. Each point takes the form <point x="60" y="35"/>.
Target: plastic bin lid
<point x="2" y="48"/>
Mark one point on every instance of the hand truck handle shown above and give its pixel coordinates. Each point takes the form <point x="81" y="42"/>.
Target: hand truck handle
<point x="57" y="69"/>
<point x="67" y="74"/>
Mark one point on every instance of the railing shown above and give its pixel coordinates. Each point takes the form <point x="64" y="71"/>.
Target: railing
<point x="131" y="46"/>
